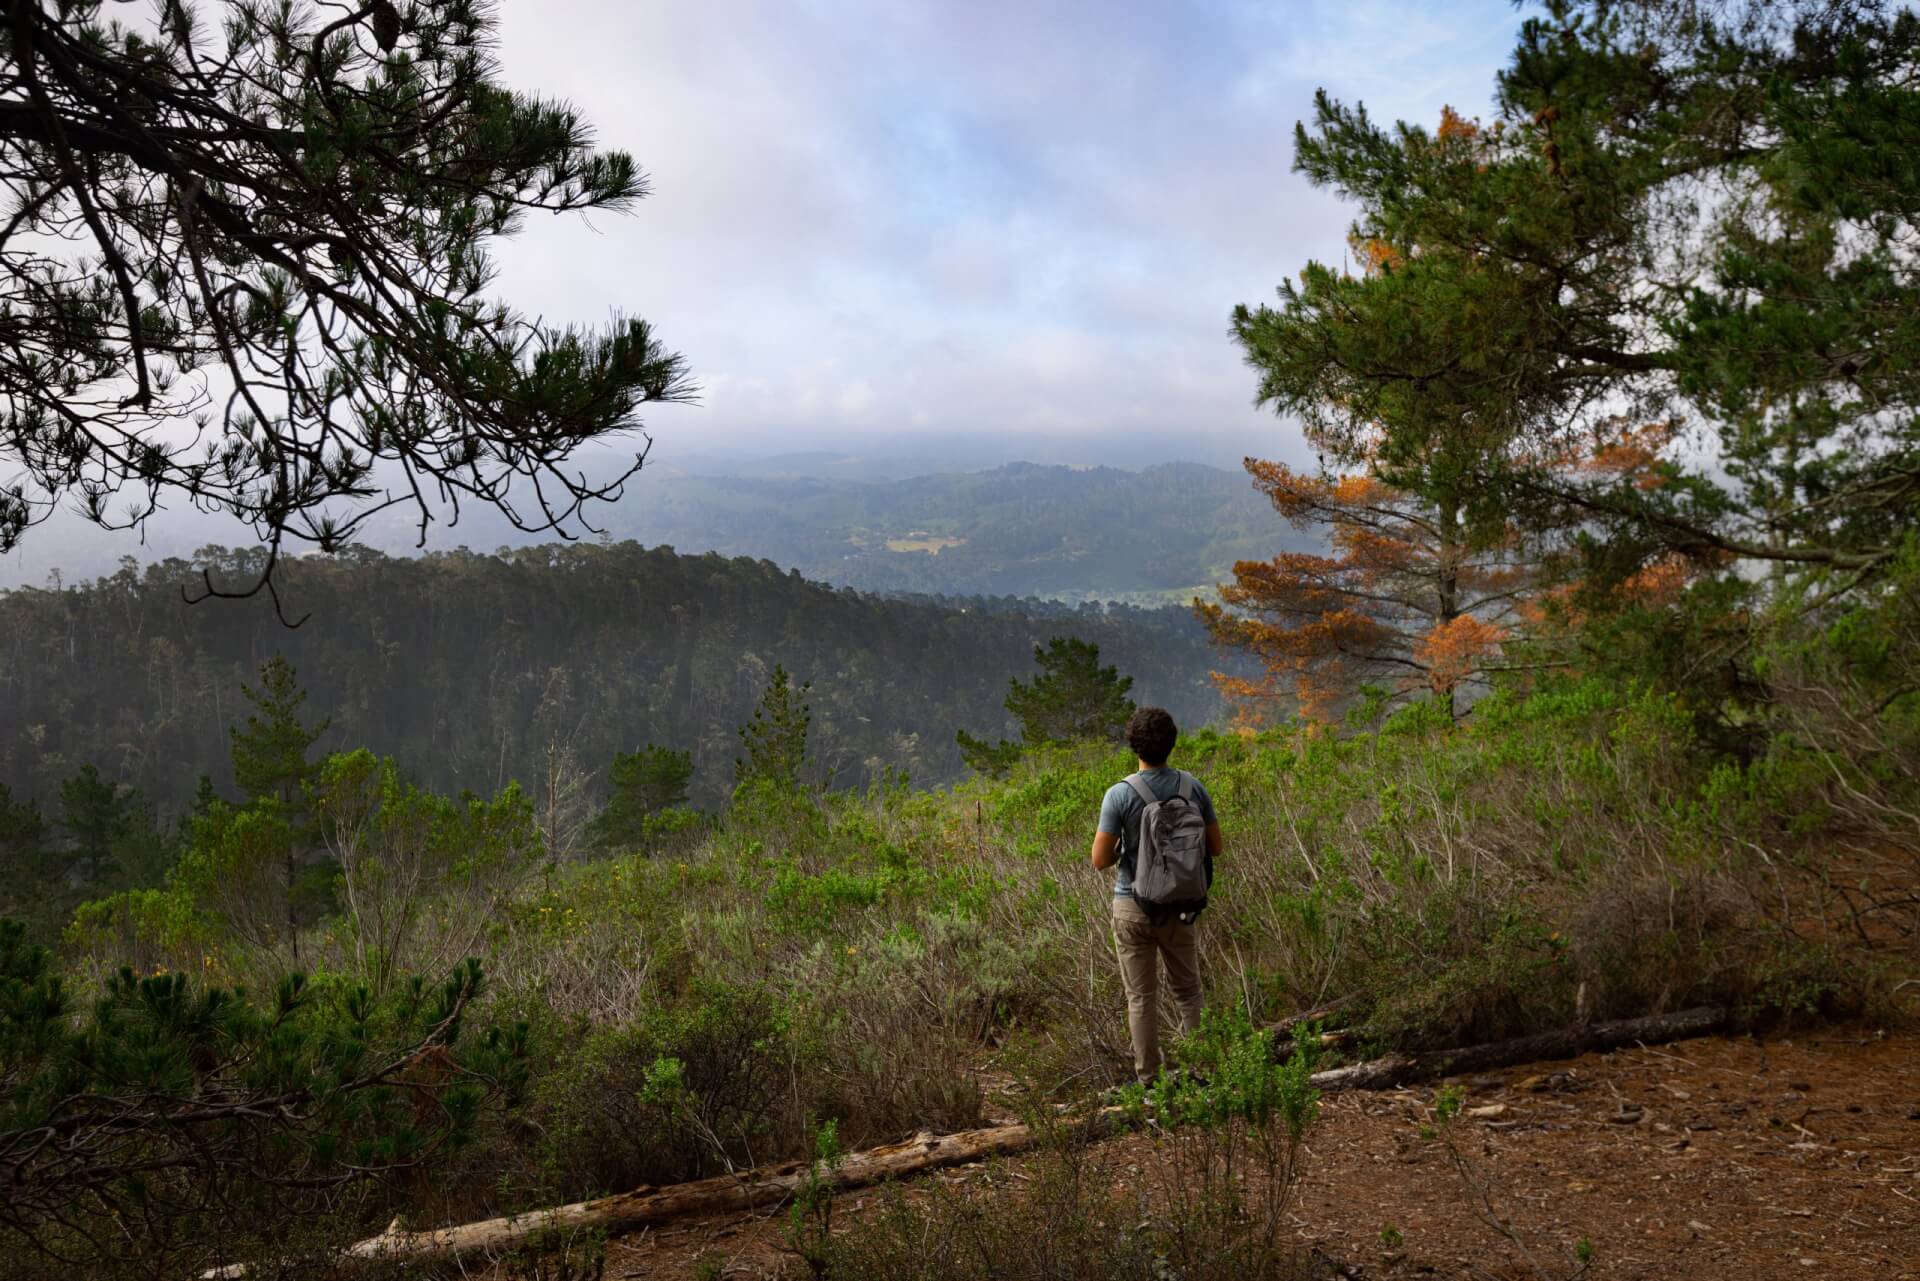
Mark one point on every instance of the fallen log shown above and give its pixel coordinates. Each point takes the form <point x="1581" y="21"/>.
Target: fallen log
<point x="1564" y="1043"/>
<point x="723" y="1194"/>
<point x="1285" y="1026"/>
<point x="774" y="1185"/>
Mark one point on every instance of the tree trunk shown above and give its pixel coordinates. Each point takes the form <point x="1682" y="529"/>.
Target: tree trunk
<point x="1565" y="1043"/>
<point x="1450" y="588"/>
<point x="723" y="1194"/>
<point x="293" y="922"/>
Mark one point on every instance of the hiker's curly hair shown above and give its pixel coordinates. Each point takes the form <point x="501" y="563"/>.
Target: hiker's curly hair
<point x="1151" y="734"/>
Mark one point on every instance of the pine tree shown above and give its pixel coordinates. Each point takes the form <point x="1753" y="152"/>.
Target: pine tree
<point x="1413" y="595"/>
<point x="641" y="784"/>
<point x="298" y="201"/>
<point x="1406" y="599"/>
<point x="271" y="766"/>
<point x="1073" y="699"/>
<point x="205" y="797"/>
<point x="192" y="1118"/>
<point x="1530" y="281"/>
<point x="114" y="841"/>
<point x="270" y="750"/>
<point x="775" y="740"/>
<point x="90" y="811"/>
<point x="29" y="864"/>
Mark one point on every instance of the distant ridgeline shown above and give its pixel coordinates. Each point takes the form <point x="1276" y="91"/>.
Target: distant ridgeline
<point x="466" y="666"/>
<point x="1158" y="535"/>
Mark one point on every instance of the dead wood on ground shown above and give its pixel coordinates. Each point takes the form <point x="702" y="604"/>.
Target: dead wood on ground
<point x="773" y="1185"/>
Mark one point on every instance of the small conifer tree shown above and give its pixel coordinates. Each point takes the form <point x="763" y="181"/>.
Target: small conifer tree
<point x="271" y="765"/>
<point x="147" y="1129"/>
<point x="642" y="784"/>
<point x="1072" y="700"/>
<point x="270" y="750"/>
<point x="775" y="739"/>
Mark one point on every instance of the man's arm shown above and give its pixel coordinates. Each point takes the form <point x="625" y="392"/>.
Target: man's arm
<point x="1215" y="843"/>
<point x="1106" y="835"/>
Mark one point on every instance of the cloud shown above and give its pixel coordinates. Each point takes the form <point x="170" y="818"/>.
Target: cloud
<point x="877" y="221"/>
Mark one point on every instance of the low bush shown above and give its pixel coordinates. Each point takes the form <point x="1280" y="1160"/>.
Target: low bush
<point x="678" y="1093"/>
<point x="171" y="1122"/>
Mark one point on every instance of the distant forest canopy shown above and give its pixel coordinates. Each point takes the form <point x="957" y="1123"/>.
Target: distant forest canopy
<point x="467" y="666"/>
<point x="1151" y="535"/>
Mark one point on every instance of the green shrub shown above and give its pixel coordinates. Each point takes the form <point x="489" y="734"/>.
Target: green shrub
<point x="678" y="1093"/>
<point x="173" y="1121"/>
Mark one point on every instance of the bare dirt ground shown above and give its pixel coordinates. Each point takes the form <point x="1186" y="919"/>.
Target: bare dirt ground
<point x="1796" y="1156"/>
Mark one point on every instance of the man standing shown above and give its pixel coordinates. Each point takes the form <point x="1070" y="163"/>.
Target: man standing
<point x="1143" y="938"/>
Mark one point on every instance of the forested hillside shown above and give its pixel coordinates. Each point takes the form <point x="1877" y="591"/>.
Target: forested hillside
<point x="469" y="666"/>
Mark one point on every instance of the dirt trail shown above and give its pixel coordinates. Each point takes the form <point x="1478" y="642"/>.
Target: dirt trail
<point x="1719" y="1158"/>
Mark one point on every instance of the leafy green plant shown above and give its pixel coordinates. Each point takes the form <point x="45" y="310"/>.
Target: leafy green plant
<point x="808" y="1231"/>
<point x="1232" y="1117"/>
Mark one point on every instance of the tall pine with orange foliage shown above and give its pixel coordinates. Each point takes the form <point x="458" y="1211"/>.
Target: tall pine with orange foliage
<point x="1417" y="594"/>
<point x="1436" y="563"/>
<point x="1407" y="598"/>
<point x="1421" y="584"/>
<point x="1531" y="280"/>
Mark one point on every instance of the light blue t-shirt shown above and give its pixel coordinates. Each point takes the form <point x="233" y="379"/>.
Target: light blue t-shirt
<point x="1120" y="816"/>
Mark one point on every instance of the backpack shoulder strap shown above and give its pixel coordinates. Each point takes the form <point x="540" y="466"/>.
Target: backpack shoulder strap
<point x="1186" y="787"/>
<point x="1140" y="786"/>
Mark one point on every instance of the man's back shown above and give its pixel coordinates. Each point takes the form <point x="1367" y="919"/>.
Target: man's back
<point x="1122" y="806"/>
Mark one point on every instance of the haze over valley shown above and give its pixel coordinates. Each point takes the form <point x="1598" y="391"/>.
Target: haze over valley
<point x="1161" y="534"/>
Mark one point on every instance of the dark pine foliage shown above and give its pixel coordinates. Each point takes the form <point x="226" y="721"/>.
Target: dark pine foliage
<point x="245" y="265"/>
<point x="1073" y="699"/>
<point x="160" y="1124"/>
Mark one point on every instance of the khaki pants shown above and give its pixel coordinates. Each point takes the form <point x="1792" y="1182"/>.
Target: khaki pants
<point x="1141" y="943"/>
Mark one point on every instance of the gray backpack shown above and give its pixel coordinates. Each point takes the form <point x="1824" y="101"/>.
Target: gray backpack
<point x="1171" y="870"/>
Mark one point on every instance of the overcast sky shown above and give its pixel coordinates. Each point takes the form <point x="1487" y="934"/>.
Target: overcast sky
<point x="1017" y="224"/>
<point x="954" y="232"/>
